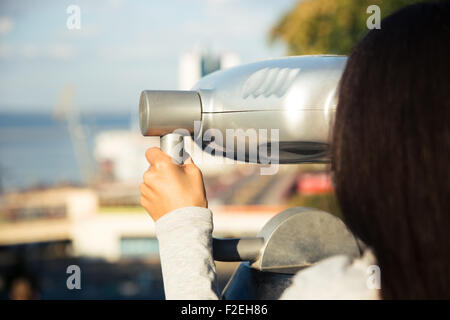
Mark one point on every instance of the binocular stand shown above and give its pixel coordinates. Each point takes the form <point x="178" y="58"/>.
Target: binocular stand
<point x="292" y="240"/>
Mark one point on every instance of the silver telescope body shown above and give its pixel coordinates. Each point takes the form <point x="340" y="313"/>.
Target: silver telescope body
<point x="294" y="96"/>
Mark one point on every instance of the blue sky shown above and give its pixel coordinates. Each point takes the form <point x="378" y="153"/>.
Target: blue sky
<point x="122" y="47"/>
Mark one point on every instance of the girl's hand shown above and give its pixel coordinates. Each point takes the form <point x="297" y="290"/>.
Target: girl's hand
<point x="168" y="186"/>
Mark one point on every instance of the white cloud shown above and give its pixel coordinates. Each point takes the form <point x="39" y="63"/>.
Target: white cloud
<point x="29" y="51"/>
<point x="115" y="4"/>
<point x="86" y="31"/>
<point x="6" y="51"/>
<point x="6" y="25"/>
<point x="60" y="51"/>
<point x="55" y="51"/>
<point x="129" y="53"/>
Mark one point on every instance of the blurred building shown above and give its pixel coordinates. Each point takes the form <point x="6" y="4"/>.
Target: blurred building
<point x="121" y="162"/>
<point x="44" y="215"/>
<point x="73" y="216"/>
<point x="310" y="183"/>
<point x="120" y="155"/>
<point x="196" y="64"/>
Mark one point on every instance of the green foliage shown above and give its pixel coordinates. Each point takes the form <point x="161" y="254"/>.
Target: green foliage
<point x="326" y="202"/>
<point x="328" y="26"/>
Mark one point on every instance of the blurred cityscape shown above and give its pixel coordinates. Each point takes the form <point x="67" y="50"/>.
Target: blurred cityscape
<point x="69" y="191"/>
<point x="100" y="226"/>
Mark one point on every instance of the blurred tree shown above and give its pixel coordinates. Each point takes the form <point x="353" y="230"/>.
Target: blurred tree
<point x="326" y="202"/>
<point x="328" y="26"/>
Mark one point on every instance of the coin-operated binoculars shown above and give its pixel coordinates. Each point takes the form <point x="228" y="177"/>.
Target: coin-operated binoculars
<point x="295" y="96"/>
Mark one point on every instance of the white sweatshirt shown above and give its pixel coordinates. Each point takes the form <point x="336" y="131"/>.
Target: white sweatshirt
<point x="189" y="272"/>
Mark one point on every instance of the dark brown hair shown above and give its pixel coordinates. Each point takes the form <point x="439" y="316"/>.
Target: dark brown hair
<point x="391" y="149"/>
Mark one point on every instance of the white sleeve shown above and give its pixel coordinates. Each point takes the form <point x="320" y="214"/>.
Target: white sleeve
<point x="185" y="249"/>
<point x="337" y="278"/>
<point x="189" y="272"/>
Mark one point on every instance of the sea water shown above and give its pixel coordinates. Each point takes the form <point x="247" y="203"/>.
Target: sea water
<point x="37" y="150"/>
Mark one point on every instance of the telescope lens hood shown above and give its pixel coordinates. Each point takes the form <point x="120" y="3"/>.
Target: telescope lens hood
<point x="161" y="112"/>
